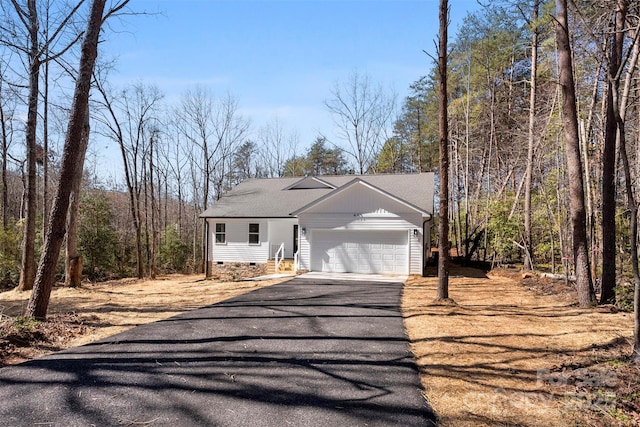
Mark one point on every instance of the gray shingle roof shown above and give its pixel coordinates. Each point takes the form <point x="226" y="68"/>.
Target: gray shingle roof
<point x="269" y="198"/>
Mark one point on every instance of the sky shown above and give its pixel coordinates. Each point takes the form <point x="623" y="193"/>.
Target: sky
<point x="280" y="59"/>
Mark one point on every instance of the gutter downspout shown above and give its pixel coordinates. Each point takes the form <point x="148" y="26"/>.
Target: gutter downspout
<point x="206" y="248"/>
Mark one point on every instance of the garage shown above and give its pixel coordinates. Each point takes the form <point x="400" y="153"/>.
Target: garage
<point x="363" y="251"/>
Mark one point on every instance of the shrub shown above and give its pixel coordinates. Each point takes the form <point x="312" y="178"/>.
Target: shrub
<point x="174" y="253"/>
<point x="624" y="296"/>
<point x="97" y="238"/>
<point x="10" y="253"/>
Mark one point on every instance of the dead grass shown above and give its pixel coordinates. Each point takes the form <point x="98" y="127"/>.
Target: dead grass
<point x="107" y="308"/>
<point x="499" y="356"/>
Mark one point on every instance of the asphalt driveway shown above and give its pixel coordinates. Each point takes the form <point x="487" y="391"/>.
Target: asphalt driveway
<point x="307" y="352"/>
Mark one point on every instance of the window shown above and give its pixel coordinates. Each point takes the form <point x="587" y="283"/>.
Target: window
<point x="254" y="234"/>
<point x="221" y="233"/>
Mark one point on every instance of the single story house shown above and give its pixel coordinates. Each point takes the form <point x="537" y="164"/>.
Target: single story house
<point x="350" y="224"/>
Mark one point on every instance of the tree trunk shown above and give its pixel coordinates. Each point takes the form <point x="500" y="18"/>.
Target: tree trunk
<point x="28" y="266"/>
<point x="632" y="207"/>
<point x="71" y="166"/>
<point x="443" y="125"/>
<point x="586" y="295"/>
<point x="636" y="292"/>
<point x="531" y="141"/>
<point x="5" y="187"/>
<point x="73" y="260"/>
<point x="608" y="295"/>
<point x="137" y="223"/>
<point x="154" y="234"/>
<point x="467" y="183"/>
<point x="45" y="135"/>
<point x="584" y="146"/>
<point x="458" y="197"/>
<point x="632" y="204"/>
<point x="592" y="185"/>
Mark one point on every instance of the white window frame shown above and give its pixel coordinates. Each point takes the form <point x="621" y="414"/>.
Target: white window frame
<point x="254" y="233"/>
<point x="222" y="233"/>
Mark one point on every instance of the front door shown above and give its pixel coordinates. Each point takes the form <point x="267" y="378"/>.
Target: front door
<point x="295" y="239"/>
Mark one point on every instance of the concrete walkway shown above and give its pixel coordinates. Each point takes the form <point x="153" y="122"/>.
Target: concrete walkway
<point x="331" y="277"/>
<point x="305" y="352"/>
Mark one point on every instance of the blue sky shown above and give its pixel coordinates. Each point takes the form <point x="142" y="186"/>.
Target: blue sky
<point x="280" y="59"/>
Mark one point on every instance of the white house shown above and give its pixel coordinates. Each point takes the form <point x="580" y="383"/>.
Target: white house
<point x="357" y="224"/>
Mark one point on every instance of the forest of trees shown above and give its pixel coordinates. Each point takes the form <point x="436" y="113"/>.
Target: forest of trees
<point x="510" y="184"/>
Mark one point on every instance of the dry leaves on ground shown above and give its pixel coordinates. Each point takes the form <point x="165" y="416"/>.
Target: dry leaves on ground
<point x="500" y="355"/>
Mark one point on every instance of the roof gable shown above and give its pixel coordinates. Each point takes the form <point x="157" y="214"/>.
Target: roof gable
<point x="350" y="198"/>
<point x="310" y="182"/>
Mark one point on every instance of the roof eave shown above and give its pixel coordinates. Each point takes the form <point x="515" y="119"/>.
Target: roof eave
<point x="245" y="217"/>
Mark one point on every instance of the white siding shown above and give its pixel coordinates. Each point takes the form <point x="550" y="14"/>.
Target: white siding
<point x="237" y="247"/>
<point x="358" y="200"/>
<point x="415" y="251"/>
<point x="304" y="249"/>
<point x="281" y="231"/>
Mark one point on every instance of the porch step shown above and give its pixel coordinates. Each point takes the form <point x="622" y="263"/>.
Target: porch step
<point x="286" y="266"/>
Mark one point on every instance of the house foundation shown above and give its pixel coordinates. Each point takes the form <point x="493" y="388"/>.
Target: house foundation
<point x="234" y="271"/>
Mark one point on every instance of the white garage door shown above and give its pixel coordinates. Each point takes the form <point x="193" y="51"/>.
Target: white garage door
<point x="380" y="252"/>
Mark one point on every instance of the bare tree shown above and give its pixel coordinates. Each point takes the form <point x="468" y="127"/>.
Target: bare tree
<point x="277" y="146"/>
<point x="230" y="130"/>
<point x="7" y="110"/>
<point x="44" y="159"/>
<point x="586" y="295"/>
<point x="528" y="244"/>
<point x="194" y="123"/>
<point x="443" y="125"/>
<point x="620" y="103"/>
<point x="28" y="267"/>
<point x="176" y="161"/>
<point x="632" y="205"/>
<point x="609" y="158"/>
<point x="196" y="206"/>
<point x="26" y="27"/>
<point x="362" y="113"/>
<point x="214" y="128"/>
<point x="72" y="162"/>
<point x="150" y="188"/>
<point x="128" y="119"/>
